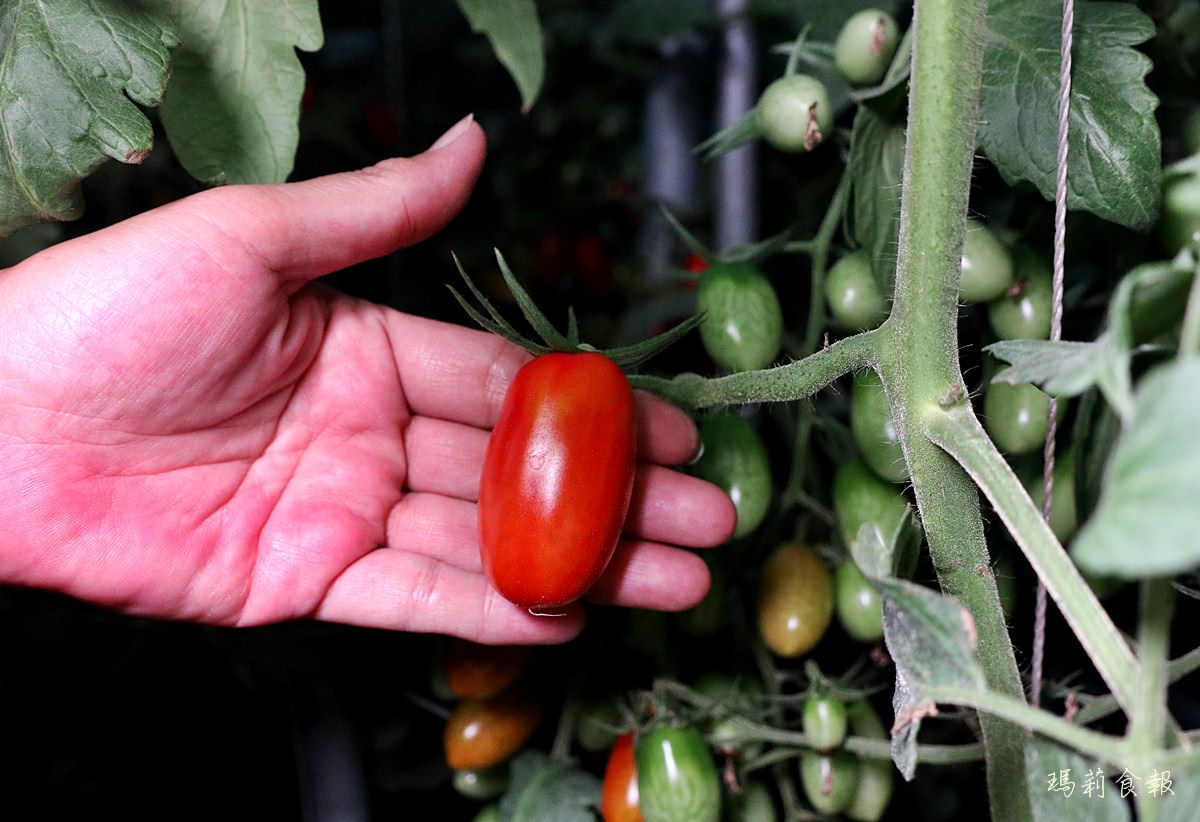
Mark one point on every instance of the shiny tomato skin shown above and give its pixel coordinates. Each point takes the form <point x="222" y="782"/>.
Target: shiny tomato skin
<point x="619" y="796"/>
<point x="482" y="733"/>
<point x="476" y="671"/>
<point x="557" y="479"/>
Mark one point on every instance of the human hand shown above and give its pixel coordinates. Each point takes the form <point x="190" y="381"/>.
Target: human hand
<point x="191" y="429"/>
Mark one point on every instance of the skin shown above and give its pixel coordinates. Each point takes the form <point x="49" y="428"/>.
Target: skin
<point x="191" y="429"/>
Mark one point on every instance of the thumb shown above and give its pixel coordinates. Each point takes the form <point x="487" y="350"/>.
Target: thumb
<point x="306" y="229"/>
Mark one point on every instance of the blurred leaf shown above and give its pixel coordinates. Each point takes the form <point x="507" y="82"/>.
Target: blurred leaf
<point x="1184" y="798"/>
<point x="875" y="167"/>
<point x="649" y="22"/>
<point x="1049" y="766"/>
<point x="743" y="130"/>
<point x="1115" y="161"/>
<point x="1148" y="519"/>
<point x="232" y="109"/>
<point x="1096" y="430"/>
<point x="513" y="29"/>
<point x="72" y="75"/>
<point x="548" y="790"/>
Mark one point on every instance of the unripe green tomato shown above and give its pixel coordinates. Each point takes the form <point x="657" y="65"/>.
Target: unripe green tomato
<point x="736" y="461"/>
<point x="987" y="268"/>
<point x="795" y="601"/>
<point x="793" y="113"/>
<point x="731" y="691"/>
<point x="829" y="780"/>
<point x="1023" y="311"/>
<point x="1064" y="519"/>
<point x="755" y="804"/>
<point x="859" y="607"/>
<point x="824" y="721"/>
<point x="854" y="298"/>
<point x="743" y="322"/>
<point x="875" y="776"/>
<point x="728" y="736"/>
<point x="487" y="783"/>
<point x="489" y="814"/>
<point x="860" y="496"/>
<point x="1191" y="131"/>
<point x="677" y="778"/>
<point x="1180" y="224"/>
<point x="1015" y="416"/>
<point x="874" y="429"/>
<point x="865" y="46"/>
<point x="599" y="718"/>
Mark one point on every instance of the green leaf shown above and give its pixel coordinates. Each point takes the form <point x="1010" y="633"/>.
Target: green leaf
<point x="875" y="167"/>
<point x="71" y="75"/>
<point x="1180" y="804"/>
<point x="743" y="130"/>
<point x="931" y="638"/>
<point x="648" y="22"/>
<point x="513" y="29"/>
<point x="548" y="790"/>
<point x="1058" y="778"/>
<point x="1115" y="160"/>
<point x="1148" y="517"/>
<point x="1061" y="367"/>
<point x="233" y="107"/>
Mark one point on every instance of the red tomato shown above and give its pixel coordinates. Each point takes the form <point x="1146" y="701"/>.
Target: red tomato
<point x="474" y="670"/>
<point x="557" y="479"/>
<point x="481" y="733"/>
<point x="695" y="264"/>
<point x="619" y="799"/>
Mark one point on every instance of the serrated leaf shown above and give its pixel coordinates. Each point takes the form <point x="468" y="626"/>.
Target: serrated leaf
<point x="1061" y="367"/>
<point x="875" y="167"/>
<point x="232" y="109"/>
<point x="1058" y="778"/>
<point x="1148" y="521"/>
<point x="70" y="76"/>
<point x="548" y="790"/>
<point x="513" y="29"/>
<point x="1115" y="161"/>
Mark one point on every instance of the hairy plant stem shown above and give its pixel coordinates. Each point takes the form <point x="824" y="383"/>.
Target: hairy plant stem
<point x="1148" y="720"/>
<point x="919" y="364"/>
<point x="783" y="383"/>
<point x="1096" y="708"/>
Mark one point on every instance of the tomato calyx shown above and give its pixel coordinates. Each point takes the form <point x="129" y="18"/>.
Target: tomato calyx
<point x="553" y="340"/>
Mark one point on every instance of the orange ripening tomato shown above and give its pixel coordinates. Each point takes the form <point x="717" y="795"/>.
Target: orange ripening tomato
<point x="557" y="479"/>
<point x="481" y="733"/>
<point x="476" y="671"/>
<point x="619" y="798"/>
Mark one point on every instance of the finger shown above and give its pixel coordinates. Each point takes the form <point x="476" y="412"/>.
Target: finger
<point x="306" y="229"/>
<point x="443" y="528"/>
<point x="668" y="506"/>
<point x="447" y="457"/>
<point x="398" y="590"/>
<point x="648" y="575"/>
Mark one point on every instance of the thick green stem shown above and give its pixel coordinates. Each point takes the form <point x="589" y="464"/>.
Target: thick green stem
<point x="1148" y="720"/>
<point x="784" y="383"/>
<point x="919" y="365"/>
<point x="958" y="431"/>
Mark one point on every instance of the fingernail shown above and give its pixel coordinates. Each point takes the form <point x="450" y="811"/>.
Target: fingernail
<point x="453" y="133"/>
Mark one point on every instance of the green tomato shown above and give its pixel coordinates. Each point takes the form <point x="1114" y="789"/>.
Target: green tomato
<point x="677" y="778"/>
<point x="865" y="46"/>
<point x="858" y="605"/>
<point x="733" y="691"/>
<point x="875" y="776"/>
<point x="1015" y="416"/>
<point x="829" y="780"/>
<point x="795" y="600"/>
<point x="1191" y="131"/>
<point x="736" y="461"/>
<point x="824" y="721"/>
<point x="489" y="814"/>
<point x="1064" y="519"/>
<point x="874" y="429"/>
<point x="599" y="718"/>
<point x="854" y="298"/>
<point x="486" y="783"/>
<point x="860" y="496"/>
<point x="1180" y="225"/>
<point x="1023" y="311"/>
<point x="987" y="268"/>
<point x="755" y="804"/>
<point x="793" y="113"/>
<point x="743" y="322"/>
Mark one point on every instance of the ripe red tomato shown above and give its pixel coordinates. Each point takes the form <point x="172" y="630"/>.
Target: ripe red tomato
<point x="619" y="798"/>
<point x="557" y="479"/>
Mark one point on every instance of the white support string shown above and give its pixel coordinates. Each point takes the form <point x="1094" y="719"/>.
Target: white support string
<point x="1056" y="311"/>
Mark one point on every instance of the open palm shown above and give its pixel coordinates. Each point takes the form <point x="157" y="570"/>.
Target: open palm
<point x="190" y="429"/>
